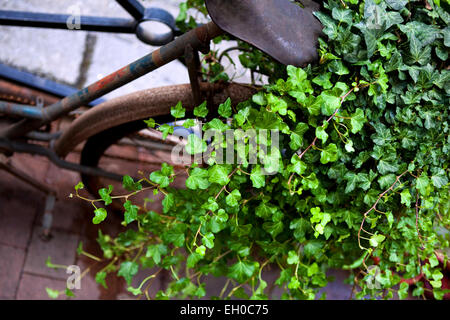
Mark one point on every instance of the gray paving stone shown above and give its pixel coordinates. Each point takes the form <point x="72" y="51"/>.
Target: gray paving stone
<point x="33" y="287"/>
<point x="16" y="220"/>
<point x="11" y="262"/>
<point x="61" y="249"/>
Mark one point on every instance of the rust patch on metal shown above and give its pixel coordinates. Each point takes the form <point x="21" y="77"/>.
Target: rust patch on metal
<point x="100" y="84"/>
<point x="156" y="57"/>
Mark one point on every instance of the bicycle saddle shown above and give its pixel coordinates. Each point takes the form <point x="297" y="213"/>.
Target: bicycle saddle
<point x="285" y="30"/>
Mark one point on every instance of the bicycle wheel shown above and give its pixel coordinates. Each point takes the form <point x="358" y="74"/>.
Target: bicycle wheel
<point x="116" y="139"/>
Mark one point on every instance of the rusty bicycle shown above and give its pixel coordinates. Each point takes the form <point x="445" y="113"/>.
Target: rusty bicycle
<point x="24" y="127"/>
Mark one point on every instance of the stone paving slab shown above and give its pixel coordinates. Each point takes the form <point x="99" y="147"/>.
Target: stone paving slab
<point x="33" y="287"/>
<point x="61" y="248"/>
<point x="11" y="263"/>
<point x="17" y="216"/>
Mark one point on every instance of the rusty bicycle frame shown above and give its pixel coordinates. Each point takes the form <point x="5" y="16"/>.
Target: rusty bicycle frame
<point x="33" y="118"/>
<point x="187" y="45"/>
<point x="292" y="42"/>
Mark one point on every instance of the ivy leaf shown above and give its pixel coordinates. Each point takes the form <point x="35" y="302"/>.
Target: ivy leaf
<point x="274" y="228"/>
<point x="292" y="257"/>
<point x="175" y="235"/>
<point x="100" y="215"/>
<point x="439" y="179"/>
<point x="128" y="270"/>
<point x="357" y="121"/>
<point x="376" y="239"/>
<point x="208" y="240"/>
<point x="129" y="184"/>
<point x="178" y="111"/>
<point x="330" y="27"/>
<point x="225" y="108"/>
<point x="189" y="123"/>
<point x="79" y="186"/>
<point x="242" y="270"/>
<point x="233" y="198"/>
<point x="329" y="154"/>
<point x="385" y="167"/>
<point x="168" y="202"/>
<point x="195" y="145"/>
<point x="298" y="166"/>
<point x="105" y="194"/>
<point x="277" y="104"/>
<point x="150" y="123"/>
<point x="198" y="179"/>
<point x="323" y="80"/>
<point x="155" y="252"/>
<point x="160" y="178"/>
<point x="296" y="75"/>
<point x="313" y="248"/>
<point x="131" y="212"/>
<point x="311" y="181"/>
<point x="166" y="129"/>
<point x="342" y="15"/>
<point x="54" y="294"/>
<point x="321" y="134"/>
<point x="422" y="184"/>
<point x="216" y="124"/>
<point x="330" y="103"/>
<point x="100" y="278"/>
<point x="257" y="177"/>
<point x="405" y="197"/>
<point x="265" y="210"/>
<point x="403" y="290"/>
<point x="218" y="174"/>
<point x="193" y="259"/>
<point x="201" y="111"/>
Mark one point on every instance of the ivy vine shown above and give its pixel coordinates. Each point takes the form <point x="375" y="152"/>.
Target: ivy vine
<point x="364" y="166"/>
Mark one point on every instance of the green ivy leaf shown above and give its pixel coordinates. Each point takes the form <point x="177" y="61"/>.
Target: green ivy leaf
<point x="321" y="134"/>
<point x="376" y="239"/>
<point x="357" y="121"/>
<point x="155" y="251"/>
<point x="79" y="186"/>
<point x="225" y="108"/>
<point x="242" y="270"/>
<point x="100" y="278"/>
<point x="257" y="177"/>
<point x="131" y="212"/>
<point x="195" y="145"/>
<point x="128" y="270"/>
<point x="201" y="111"/>
<point x="329" y="154"/>
<point x="218" y="174"/>
<point x="178" y="111"/>
<point x="100" y="215"/>
<point x="105" y="194"/>
<point x="208" y="240"/>
<point x="54" y="294"/>
<point x="405" y="197"/>
<point x="233" y="198"/>
<point x="198" y="179"/>
<point x="166" y="129"/>
<point x="129" y="184"/>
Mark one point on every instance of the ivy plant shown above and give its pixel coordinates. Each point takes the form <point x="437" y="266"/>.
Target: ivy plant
<point x="363" y="170"/>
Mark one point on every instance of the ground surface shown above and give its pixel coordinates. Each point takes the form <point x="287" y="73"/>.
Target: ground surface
<point x="74" y="58"/>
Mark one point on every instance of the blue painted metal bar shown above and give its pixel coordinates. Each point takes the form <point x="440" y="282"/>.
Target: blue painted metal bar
<point x="39" y="83"/>
<point x="29" y="112"/>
